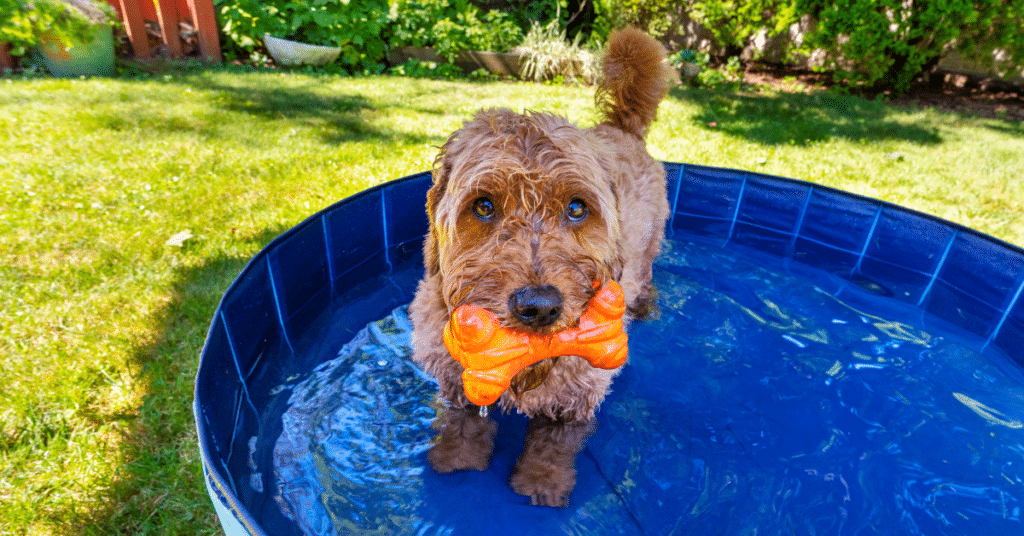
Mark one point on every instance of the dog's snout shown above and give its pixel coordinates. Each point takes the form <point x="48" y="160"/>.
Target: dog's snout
<point x="536" y="306"/>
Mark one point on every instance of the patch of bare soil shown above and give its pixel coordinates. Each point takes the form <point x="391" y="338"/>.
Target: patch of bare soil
<point x="942" y="91"/>
<point x="956" y="93"/>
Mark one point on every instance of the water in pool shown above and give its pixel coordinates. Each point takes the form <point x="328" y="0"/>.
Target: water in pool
<point x="764" y="399"/>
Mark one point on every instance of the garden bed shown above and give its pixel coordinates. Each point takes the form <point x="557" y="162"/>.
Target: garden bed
<point x="503" y="63"/>
<point x="965" y="95"/>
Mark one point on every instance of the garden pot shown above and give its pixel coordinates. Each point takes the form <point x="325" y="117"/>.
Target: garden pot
<point x="94" y="58"/>
<point x="503" y="63"/>
<point x="286" y="52"/>
<point x="688" y="70"/>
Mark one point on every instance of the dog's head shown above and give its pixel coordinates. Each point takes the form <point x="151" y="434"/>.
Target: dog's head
<point x="523" y="220"/>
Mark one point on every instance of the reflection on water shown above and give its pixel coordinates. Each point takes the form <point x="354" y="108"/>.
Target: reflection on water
<point x="353" y="432"/>
<point x="757" y="402"/>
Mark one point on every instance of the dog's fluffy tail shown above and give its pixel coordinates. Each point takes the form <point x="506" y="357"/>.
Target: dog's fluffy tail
<point x="636" y="76"/>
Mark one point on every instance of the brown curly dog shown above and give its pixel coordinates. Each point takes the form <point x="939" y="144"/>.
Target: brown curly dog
<point x="526" y="212"/>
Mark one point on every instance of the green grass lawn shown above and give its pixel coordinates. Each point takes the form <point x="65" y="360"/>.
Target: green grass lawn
<point x="102" y="321"/>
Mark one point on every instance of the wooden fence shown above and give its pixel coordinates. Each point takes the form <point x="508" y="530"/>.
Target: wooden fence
<point x="168" y="15"/>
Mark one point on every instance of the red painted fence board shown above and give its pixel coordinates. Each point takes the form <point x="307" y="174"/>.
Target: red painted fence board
<point x="167" y="16"/>
<point x="206" y="23"/>
<point x="6" y="62"/>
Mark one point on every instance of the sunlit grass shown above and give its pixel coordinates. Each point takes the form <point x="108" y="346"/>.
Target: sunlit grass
<point x="961" y="169"/>
<point x="103" y="321"/>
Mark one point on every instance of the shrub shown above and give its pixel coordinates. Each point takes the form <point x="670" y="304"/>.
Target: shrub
<point x="728" y="76"/>
<point x="656" y="17"/>
<point x="451" y="27"/>
<point x="883" y="43"/>
<point x="527" y="12"/>
<point x="354" y="26"/>
<point x="24" y="22"/>
<point x="734" y="22"/>
<point x="889" y="42"/>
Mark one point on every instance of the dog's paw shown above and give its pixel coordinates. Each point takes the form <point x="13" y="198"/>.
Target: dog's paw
<point x="545" y="486"/>
<point x="451" y="458"/>
<point x="465" y="444"/>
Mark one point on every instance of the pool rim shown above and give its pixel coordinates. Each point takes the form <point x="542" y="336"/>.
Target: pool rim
<point x="224" y="499"/>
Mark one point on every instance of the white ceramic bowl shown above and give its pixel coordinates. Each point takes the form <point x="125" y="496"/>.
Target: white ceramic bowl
<point x="287" y="52"/>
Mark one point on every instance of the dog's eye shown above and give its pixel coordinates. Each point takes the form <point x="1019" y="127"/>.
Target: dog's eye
<point x="576" y="211"/>
<point x="483" y="208"/>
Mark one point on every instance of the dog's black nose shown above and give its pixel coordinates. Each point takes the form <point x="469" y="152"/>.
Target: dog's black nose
<point x="536" y="306"/>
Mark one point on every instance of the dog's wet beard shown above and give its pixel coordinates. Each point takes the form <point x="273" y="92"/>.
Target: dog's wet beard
<point x="532" y="377"/>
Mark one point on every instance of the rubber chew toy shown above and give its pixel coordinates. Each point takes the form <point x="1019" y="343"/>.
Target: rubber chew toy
<point x="492" y="355"/>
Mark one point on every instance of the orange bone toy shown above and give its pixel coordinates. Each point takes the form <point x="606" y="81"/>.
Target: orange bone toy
<point x="492" y="355"/>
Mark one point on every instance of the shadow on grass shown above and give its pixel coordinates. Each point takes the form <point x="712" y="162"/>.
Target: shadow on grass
<point x="338" y="117"/>
<point x="349" y="116"/>
<point x="801" y="119"/>
<point x="1008" y="128"/>
<point x="159" y="486"/>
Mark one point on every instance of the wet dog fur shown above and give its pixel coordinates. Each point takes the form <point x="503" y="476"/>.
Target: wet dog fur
<point x="526" y="212"/>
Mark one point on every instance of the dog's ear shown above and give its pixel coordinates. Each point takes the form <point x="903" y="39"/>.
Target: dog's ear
<point x="615" y="267"/>
<point x="441" y="172"/>
<point x="431" y="259"/>
<point x="453" y="150"/>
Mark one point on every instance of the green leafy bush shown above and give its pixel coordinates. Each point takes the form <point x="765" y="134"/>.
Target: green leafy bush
<point x="356" y="26"/>
<point x="729" y="76"/>
<point x="889" y="42"/>
<point x="734" y="22"/>
<point x="656" y="17"/>
<point x="24" y="23"/>
<point x="451" y="27"/>
<point x="528" y="12"/>
<point x="883" y="43"/>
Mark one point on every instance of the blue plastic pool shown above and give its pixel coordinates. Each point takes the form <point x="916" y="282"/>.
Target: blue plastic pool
<point x="822" y="363"/>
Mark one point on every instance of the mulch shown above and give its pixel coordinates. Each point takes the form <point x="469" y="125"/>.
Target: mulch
<point x="967" y="96"/>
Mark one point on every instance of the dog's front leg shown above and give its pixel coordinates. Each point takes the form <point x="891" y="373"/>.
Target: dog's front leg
<point x="546" y="471"/>
<point x="466" y="441"/>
